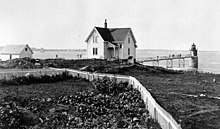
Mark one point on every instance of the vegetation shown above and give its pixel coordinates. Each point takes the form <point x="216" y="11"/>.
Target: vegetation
<point x="173" y="90"/>
<point x="74" y="105"/>
<point x="110" y="87"/>
<point x="190" y="97"/>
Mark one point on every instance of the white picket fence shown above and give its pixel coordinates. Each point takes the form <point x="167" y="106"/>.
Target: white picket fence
<point x="165" y="120"/>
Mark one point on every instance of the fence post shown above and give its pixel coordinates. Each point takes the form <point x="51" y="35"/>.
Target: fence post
<point x="169" y="126"/>
<point x="87" y="76"/>
<point x="155" y="114"/>
<point x="140" y="90"/>
<point x="146" y="103"/>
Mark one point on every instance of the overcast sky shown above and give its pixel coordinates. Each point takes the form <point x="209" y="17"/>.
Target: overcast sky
<point x="156" y="24"/>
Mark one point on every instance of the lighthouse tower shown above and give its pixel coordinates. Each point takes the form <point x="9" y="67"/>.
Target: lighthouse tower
<point x="193" y="62"/>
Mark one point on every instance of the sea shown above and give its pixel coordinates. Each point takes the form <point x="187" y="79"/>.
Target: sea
<point x="209" y="61"/>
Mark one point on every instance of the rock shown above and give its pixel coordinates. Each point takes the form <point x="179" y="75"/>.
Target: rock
<point x="202" y="95"/>
<point x="135" y="119"/>
<point x="214" y="81"/>
<point x="205" y="81"/>
<point x="37" y="64"/>
<point x="84" y="68"/>
<point x="49" y="99"/>
<point x="61" y="107"/>
<point x="28" y="118"/>
<point x="27" y="74"/>
<point x="169" y="80"/>
<point x="52" y="110"/>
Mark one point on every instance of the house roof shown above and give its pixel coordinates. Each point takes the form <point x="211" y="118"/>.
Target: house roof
<point x="112" y="34"/>
<point x="14" y="49"/>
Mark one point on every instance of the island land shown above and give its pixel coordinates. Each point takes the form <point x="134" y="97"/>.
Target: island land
<point x="192" y="98"/>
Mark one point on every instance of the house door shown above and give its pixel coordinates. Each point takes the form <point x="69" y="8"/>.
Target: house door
<point x="114" y="52"/>
<point x="110" y="53"/>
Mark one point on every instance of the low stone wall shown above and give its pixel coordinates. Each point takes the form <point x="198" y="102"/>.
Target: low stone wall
<point x="9" y="73"/>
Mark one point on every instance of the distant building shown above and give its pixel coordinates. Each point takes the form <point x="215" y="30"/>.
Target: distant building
<point x="103" y="43"/>
<point x="15" y="51"/>
<point x="194" y="61"/>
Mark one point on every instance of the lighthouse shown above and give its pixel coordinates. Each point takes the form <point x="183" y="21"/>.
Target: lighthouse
<point x="193" y="62"/>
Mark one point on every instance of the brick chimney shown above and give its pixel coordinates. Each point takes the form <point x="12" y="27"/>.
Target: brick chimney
<point x="105" y="23"/>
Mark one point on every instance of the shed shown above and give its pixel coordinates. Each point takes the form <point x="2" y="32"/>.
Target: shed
<point x="15" y="51"/>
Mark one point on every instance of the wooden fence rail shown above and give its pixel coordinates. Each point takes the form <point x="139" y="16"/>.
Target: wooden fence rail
<point x="164" y="118"/>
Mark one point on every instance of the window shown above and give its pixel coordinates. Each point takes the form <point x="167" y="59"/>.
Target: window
<point x="128" y="39"/>
<point x="95" y="39"/>
<point x="25" y="49"/>
<point x="128" y="51"/>
<point x="95" y="51"/>
<point x="120" y="45"/>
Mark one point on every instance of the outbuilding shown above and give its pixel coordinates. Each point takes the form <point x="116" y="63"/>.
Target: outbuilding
<point x="15" y="51"/>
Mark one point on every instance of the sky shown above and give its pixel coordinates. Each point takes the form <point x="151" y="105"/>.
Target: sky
<point x="156" y="24"/>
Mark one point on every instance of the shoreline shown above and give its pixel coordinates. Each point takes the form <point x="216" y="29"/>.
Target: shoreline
<point x="207" y="70"/>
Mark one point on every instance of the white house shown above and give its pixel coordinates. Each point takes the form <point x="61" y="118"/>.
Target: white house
<point x="103" y="43"/>
<point x="15" y="51"/>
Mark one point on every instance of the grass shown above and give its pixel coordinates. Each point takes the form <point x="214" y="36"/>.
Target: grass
<point x="163" y="84"/>
<point x="45" y="90"/>
<point x="182" y="107"/>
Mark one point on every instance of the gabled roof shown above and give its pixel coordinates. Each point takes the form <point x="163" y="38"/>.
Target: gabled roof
<point x="112" y="34"/>
<point x="14" y="49"/>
